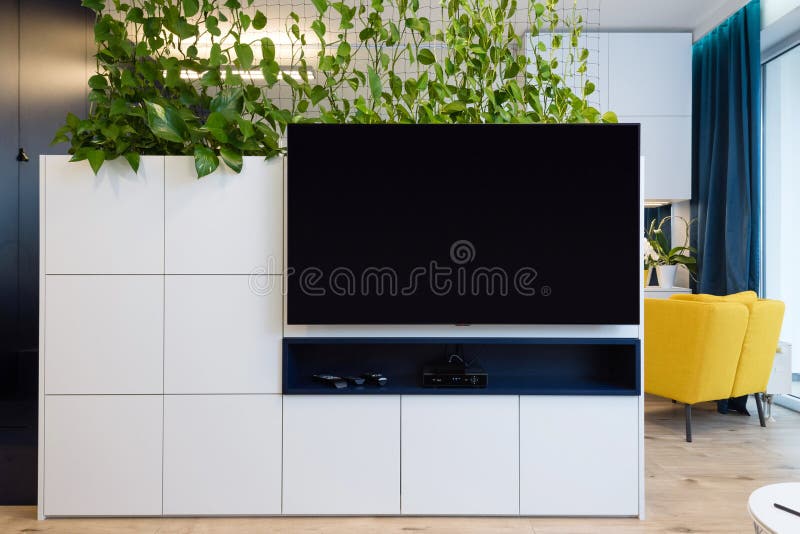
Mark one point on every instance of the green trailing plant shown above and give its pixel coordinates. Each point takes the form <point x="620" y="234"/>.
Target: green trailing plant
<point x="201" y="77"/>
<point x="663" y="253"/>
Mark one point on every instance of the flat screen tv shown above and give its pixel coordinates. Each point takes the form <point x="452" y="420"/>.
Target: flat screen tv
<point x="463" y="224"/>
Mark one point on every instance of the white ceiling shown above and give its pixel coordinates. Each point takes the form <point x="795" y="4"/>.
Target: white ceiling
<point x="664" y="15"/>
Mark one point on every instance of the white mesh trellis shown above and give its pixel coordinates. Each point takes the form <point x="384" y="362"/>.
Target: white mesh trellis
<point x="589" y="12"/>
<point x="278" y="13"/>
<point x="279" y="20"/>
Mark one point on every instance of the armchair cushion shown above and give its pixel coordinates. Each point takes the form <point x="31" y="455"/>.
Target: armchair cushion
<point x="692" y="348"/>
<point x="745" y="297"/>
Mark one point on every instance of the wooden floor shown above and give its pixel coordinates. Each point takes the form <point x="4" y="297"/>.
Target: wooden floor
<point x="691" y="487"/>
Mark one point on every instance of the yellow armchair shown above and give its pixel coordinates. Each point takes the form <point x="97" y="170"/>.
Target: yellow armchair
<point x="765" y="319"/>
<point x="692" y="350"/>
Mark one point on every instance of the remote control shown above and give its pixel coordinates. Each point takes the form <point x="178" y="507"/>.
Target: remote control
<point x="355" y="380"/>
<point x="376" y="379"/>
<point x="332" y="380"/>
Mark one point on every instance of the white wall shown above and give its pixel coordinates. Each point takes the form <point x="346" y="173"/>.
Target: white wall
<point x="772" y="10"/>
<point x="718" y="16"/>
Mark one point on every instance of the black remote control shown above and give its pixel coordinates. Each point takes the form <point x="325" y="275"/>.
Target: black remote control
<point x="355" y="380"/>
<point x="376" y="379"/>
<point x="332" y="380"/>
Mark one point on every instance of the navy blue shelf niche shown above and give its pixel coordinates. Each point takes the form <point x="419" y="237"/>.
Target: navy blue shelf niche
<point x="518" y="366"/>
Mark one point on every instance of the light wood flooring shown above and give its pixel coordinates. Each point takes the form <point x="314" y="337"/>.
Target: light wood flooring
<point x="699" y="487"/>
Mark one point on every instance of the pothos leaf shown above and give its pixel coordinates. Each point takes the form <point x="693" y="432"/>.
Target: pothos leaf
<point x="375" y="87"/>
<point x="205" y="161"/>
<point x="133" y="160"/>
<point x="232" y="158"/>
<point x="96" y="158"/>
<point x="166" y="123"/>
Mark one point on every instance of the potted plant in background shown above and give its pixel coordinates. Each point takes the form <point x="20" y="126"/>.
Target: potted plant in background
<point x="667" y="258"/>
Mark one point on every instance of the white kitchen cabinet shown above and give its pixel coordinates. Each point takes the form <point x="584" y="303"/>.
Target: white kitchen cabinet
<point x="102" y="455"/>
<point x="650" y="82"/>
<point x="109" y="223"/>
<point x="103" y="334"/>
<point x="224" y="223"/>
<point x="460" y="454"/>
<point x="650" y="74"/>
<point x="341" y="454"/>
<point x="222" y="454"/>
<point x="666" y="144"/>
<point x="579" y="455"/>
<point x="223" y="334"/>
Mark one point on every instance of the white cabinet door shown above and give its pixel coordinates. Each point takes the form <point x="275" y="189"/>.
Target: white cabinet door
<point x="112" y="223"/>
<point x="650" y="73"/>
<point x="666" y="144"/>
<point x="460" y="455"/>
<point x="223" y="334"/>
<point x="579" y="455"/>
<point x="224" y="223"/>
<point x="102" y="455"/>
<point x="103" y="334"/>
<point x="341" y="454"/>
<point x="222" y="454"/>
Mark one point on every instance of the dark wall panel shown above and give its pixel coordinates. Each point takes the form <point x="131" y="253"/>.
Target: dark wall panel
<point x="52" y="71"/>
<point x="9" y="178"/>
<point x="53" y="76"/>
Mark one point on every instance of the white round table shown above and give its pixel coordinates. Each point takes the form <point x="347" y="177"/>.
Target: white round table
<point x="770" y="520"/>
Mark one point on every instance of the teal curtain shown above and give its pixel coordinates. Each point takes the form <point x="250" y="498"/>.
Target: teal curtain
<point x="726" y="147"/>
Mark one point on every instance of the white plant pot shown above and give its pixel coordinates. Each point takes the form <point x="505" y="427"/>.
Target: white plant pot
<point x="666" y="275"/>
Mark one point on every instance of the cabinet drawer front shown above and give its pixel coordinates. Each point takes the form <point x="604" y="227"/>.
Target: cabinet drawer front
<point x="103" y="334"/>
<point x="460" y="455"/>
<point x="222" y="454"/>
<point x="102" y="455"/>
<point x="341" y="455"/>
<point x="579" y="456"/>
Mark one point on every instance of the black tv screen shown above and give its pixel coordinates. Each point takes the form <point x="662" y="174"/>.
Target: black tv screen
<point x="463" y="224"/>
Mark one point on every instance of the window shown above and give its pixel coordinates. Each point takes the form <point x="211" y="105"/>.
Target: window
<point x="781" y="153"/>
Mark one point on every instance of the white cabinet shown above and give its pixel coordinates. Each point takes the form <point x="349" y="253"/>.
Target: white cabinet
<point x="223" y="334"/>
<point x="780" y="380"/>
<point x="112" y="223"/>
<point x="103" y="334"/>
<point x="102" y="455"/>
<point x="460" y="454"/>
<point x="666" y="144"/>
<point x="650" y="73"/>
<point x="579" y="455"/>
<point x="222" y="454"/>
<point x="656" y="292"/>
<point x="341" y="455"/>
<point x="650" y="82"/>
<point x="225" y="223"/>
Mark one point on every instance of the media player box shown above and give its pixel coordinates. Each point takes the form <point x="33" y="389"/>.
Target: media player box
<point x="454" y="376"/>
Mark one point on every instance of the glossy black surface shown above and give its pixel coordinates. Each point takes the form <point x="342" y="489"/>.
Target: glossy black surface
<point x="463" y="224"/>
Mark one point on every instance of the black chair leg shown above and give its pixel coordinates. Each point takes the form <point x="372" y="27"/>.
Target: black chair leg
<point x="760" y="408"/>
<point x="688" y="410"/>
